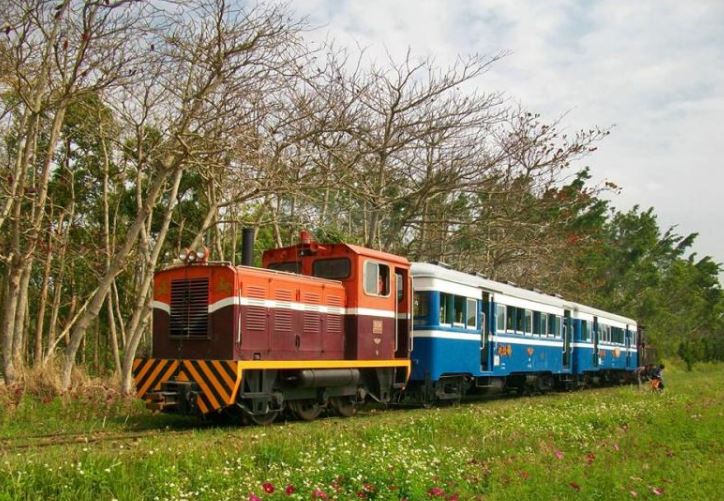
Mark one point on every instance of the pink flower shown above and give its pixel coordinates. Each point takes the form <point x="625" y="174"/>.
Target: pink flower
<point x="453" y="497"/>
<point x="658" y="491"/>
<point x="268" y="487"/>
<point x="558" y="454"/>
<point x="319" y="494"/>
<point x="289" y="490"/>
<point x="435" y="492"/>
<point x="254" y="497"/>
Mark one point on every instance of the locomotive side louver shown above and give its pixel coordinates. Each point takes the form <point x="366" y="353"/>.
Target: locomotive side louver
<point x="189" y="307"/>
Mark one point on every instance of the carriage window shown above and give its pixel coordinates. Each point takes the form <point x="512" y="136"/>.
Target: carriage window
<point x="500" y="318"/>
<point x="472" y="313"/>
<point x="459" y="308"/>
<point x="377" y="279"/>
<point x="584" y="330"/>
<point x="528" y="322"/>
<point x="510" y="321"/>
<point x="289" y="266"/>
<point x="537" y="330"/>
<point x="519" y="320"/>
<point x="399" y="280"/>
<point x="337" y="268"/>
<point x="447" y="310"/>
<point x="421" y="307"/>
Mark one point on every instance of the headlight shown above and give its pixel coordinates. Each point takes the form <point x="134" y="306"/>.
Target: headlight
<point x="192" y="257"/>
<point x="201" y="253"/>
<point x="183" y="255"/>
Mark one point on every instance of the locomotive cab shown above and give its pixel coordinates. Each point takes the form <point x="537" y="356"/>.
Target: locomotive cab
<point x="377" y="287"/>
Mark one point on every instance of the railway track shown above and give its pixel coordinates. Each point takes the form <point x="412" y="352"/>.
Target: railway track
<point x="9" y="444"/>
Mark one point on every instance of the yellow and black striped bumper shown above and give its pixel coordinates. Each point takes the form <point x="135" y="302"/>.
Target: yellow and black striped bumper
<point x="218" y="380"/>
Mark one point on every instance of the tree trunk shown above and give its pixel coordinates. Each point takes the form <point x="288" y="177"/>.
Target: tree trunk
<point x="135" y="328"/>
<point x="106" y="281"/>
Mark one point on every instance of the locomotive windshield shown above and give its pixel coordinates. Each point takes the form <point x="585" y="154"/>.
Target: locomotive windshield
<point x="337" y="268"/>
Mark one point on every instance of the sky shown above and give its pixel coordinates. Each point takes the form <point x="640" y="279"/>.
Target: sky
<point x="652" y="70"/>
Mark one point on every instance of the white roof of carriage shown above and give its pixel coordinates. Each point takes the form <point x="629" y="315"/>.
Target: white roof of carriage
<point x="434" y="271"/>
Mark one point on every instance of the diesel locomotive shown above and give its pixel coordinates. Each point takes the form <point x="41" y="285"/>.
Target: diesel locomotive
<point x="330" y="326"/>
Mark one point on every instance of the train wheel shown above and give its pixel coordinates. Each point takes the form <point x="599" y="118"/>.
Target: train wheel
<point x="308" y="410"/>
<point x="264" y="419"/>
<point x="343" y="406"/>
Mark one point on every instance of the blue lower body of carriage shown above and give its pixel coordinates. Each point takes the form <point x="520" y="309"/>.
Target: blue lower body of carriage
<point x="586" y="359"/>
<point x="438" y="353"/>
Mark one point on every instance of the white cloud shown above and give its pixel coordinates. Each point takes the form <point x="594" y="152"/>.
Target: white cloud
<point x="653" y="68"/>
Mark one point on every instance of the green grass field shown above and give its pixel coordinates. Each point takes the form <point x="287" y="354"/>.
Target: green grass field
<point x="608" y="443"/>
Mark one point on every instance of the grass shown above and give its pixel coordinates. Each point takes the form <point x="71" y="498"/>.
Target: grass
<point x="608" y="443"/>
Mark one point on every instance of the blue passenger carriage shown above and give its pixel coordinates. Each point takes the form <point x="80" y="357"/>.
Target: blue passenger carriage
<point x="606" y="344"/>
<point x="472" y="334"/>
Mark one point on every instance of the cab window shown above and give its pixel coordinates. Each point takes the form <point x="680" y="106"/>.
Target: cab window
<point x="288" y="266"/>
<point x="376" y="279"/>
<point x="337" y="268"/>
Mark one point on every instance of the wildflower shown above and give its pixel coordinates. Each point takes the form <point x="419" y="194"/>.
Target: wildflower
<point x="268" y="487"/>
<point x="590" y="456"/>
<point x="289" y="490"/>
<point x="435" y="492"/>
<point x="453" y="497"/>
<point x="319" y="494"/>
<point x="368" y="487"/>
<point x="575" y="486"/>
<point x="658" y="491"/>
<point x="254" y="497"/>
<point x="558" y="454"/>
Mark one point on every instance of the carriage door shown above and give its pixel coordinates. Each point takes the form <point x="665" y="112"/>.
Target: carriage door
<point x="403" y="313"/>
<point x="628" y="346"/>
<point x="595" y="342"/>
<point x="484" y="340"/>
<point x="567" y="333"/>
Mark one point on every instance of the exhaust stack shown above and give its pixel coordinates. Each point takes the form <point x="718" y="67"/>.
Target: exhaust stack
<point x="247" y="247"/>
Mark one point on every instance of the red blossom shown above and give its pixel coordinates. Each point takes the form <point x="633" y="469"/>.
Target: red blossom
<point x="268" y="487"/>
<point x="436" y="492"/>
<point x="658" y="491"/>
<point x="575" y="486"/>
<point x="524" y="475"/>
<point x="319" y="494"/>
<point x="590" y="457"/>
<point x="368" y="487"/>
<point x="289" y="490"/>
<point x="254" y="497"/>
<point x="453" y="497"/>
<point x="361" y="494"/>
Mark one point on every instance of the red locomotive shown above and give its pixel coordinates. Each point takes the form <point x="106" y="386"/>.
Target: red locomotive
<point x="320" y="326"/>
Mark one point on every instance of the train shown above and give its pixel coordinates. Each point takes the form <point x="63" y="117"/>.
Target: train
<point x="326" y="327"/>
